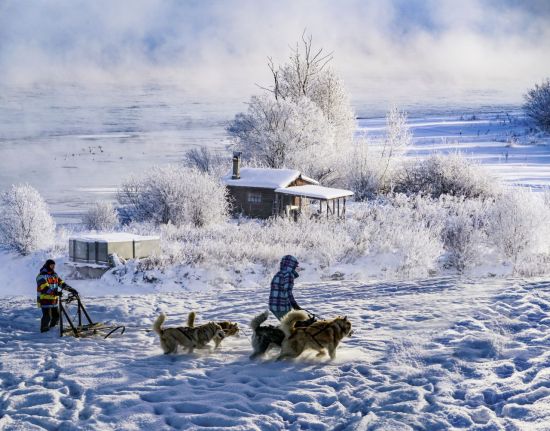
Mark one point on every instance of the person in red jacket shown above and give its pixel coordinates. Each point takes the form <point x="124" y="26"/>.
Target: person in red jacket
<point x="49" y="288"/>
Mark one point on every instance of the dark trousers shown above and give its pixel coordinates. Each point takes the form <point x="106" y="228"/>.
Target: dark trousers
<point x="50" y="317"/>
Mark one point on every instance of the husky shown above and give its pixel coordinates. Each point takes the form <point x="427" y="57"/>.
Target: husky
<point x="229" y="328"/>
<point x="321" y="335"/>
<point x="189" y="338"/>
<point x="264" y="337"/>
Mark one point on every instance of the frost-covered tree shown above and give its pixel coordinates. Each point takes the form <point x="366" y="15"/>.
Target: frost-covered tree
<point x="537" y="105"/>
<point x="25" y="222"/>
<point x="281" y="133"/>
<point x="175" y="195"/>
<point x="372" y="165"/>
<point x="306" y="74"/>
<point x="101" y="216"/>
<point x="307" y="102"/>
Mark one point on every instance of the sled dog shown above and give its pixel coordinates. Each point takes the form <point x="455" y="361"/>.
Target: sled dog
<point x="321" y="335"/>
<point x="264" y="337"/>
<point x="229" y="328"/>
<point x="189" y="338"/>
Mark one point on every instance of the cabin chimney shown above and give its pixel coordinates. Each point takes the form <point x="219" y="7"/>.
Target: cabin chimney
<point x="236" y="165"/>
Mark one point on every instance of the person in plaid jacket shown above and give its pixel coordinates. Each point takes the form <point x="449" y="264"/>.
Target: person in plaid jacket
<point x="281" y="299"/>
<point x="48" y="290"/>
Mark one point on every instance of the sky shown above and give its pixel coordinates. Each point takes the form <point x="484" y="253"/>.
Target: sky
<point x="220" y="48"/>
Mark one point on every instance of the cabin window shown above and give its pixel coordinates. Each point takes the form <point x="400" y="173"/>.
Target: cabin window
<point x="254" y="197"/>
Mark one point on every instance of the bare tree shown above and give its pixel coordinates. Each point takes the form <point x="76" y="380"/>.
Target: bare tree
<point x="204" y="160"/>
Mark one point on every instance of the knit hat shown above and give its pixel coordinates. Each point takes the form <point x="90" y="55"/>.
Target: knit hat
<point x="48" y="263"/>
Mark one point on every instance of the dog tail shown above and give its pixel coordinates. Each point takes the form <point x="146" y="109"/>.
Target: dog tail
<point x="287" y="324"/>
<point x="258" y="320"/>
<point x="191" y="319"/>
<point x="157" y="326"/>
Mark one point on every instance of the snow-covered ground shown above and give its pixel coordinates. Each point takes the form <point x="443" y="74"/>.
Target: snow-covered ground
<point x="501" y="141"/>
<point x="433" y="354"/>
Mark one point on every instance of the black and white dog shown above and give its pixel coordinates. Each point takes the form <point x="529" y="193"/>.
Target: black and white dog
<point x="264" y="337"/>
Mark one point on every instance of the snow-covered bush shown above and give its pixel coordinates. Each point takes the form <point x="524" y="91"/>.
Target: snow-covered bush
<point x="396" y="236"/>
<point x="442" y="174"/>
<point x="303" y="122"/>
<point x="101" y="216"/>
<point x="258" y="242"/>
<point x="176" y="195"/>
<point x="463" y="233"/>
<point x="537" y="105"/>
<point x="372" y="165"/>
<point x="407" y="231"/>
<point x="25" y="222"/>
<point x="365" y="173"/>
<point x="518" y="226"/>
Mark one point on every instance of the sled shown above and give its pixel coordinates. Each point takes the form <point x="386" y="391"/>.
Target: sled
<point x="76" y="327"/>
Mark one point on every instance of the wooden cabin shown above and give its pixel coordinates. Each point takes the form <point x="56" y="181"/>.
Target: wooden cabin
<point x="266" y="192"/>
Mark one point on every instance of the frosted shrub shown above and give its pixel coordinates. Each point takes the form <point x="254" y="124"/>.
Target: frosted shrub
<point x="364" y="176"/>
<point x="441" y="174"/>
<point x="102" y="216"/>
<point x="372" y="165"/>
<point x="319" y="242"/>
<point x="463" y="232"/>
<point x="25" y="223"/>
<point x="537" y="105"/>
<point x="175" y="195"/>
<point x="518" y="226"/>
<point x="406" y="230"/>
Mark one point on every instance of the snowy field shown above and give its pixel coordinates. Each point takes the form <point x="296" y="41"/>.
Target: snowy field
<point x="433" y="354"/>
<point x="500" y="140"/>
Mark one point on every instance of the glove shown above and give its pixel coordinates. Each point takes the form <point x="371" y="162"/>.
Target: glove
<point x="59" y="292"/>
<point x="69" y="288"/>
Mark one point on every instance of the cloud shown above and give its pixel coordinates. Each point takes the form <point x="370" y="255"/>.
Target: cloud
<point x="398" y="48"/>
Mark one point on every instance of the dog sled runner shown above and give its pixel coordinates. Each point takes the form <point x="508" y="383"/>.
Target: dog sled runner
<point x="81" y="324"/>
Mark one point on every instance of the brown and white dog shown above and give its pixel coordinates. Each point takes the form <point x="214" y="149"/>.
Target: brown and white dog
<point x="189" y="338"/>
<point x="321" y="335"/>
<point x="229" y="328"/>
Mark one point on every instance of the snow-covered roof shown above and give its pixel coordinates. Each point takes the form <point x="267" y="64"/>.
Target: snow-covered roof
<point x="265" y="178"/>
<point x="112" y="237"/>
<point x="315" y="192"/>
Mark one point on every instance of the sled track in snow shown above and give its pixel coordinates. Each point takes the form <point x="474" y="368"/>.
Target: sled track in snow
<point x="425" y="355"/>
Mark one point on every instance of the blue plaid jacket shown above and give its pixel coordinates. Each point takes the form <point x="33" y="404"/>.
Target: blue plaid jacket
<point x="281" y="300"/>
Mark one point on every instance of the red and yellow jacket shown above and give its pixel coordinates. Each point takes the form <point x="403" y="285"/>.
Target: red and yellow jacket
<point x="48" y="288"/>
